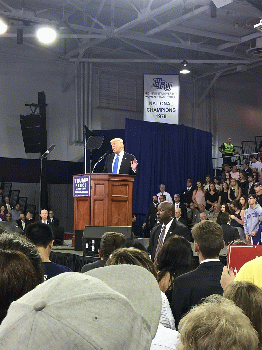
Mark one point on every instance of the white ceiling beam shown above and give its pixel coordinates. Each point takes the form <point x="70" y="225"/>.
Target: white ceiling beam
<point x="190" y="46"/>
<point x="178" y="20"/>
<point x="146" y="16"/>
<point x="139" y="48"/>
<point x="243" y="39"/>
<point x="158" y="60"/>
<point x="61" y="36"/>
<point x="206" y="34"/>
<point x="5" y="4"/>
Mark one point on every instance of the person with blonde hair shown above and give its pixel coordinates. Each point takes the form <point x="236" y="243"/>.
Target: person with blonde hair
<point x="217" y="323"/>
<point x="120" y="162"/>
<point x="248" y="297"/>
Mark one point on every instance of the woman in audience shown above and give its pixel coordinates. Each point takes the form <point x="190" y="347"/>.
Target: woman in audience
<point x="211" y="196"/>
<point x="227" y="178"/>
<point x="243" y="183"/>
<point x="223" y="195"/>
<point x="247" y="297"/>
<point x="199" y="195"/>
<point x="3" y="212"/>
<point x="243" y="202"/>
<point x="237" y="219"/>
<point x="174" y="259"/>
<point x="217" y="183"/>
<point x="17" y="277"/>
<point x="234" y="190"/>
<point x="207" y="183"/>
<point x="133" y="256"/>
<point x="224" y="208"/>
<point x="8" y="217"/>
<point x="255" y="175"/>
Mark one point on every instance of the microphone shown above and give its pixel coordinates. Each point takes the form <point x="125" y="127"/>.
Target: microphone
<point x="99" y="160"/>
<point x="49" y="150"/>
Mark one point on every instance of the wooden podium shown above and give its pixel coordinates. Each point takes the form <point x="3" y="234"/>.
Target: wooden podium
<point x="111" y="202"/>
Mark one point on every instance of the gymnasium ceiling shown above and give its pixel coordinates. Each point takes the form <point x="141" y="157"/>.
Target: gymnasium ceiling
<point x="215" y="37"/>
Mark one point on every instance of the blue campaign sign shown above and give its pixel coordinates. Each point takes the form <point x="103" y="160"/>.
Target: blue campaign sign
<point x="81" y="186"/>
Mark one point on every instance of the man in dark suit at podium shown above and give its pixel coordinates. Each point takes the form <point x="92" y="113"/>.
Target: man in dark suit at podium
<point x="120" y="162"/>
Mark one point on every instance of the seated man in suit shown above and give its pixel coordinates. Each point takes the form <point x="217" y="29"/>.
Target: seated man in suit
<point x="120" y="162"/>
<point x="167" y="227"/>
<point x="179" y="218"/>
<point x="191" y="287"/>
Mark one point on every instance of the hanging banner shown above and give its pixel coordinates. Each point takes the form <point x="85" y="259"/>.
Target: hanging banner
<point x="161" y="98"/>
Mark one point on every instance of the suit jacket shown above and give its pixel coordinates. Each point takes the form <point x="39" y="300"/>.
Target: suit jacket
<point x="191" y="287"/>
<point x="183" y="209"/>
<point x="230" y="233"/>
<point x="19" y="223"/>
<point x="176" y="228"/>
<point x="54" y="223"/>
<point x="125" y="167"/>
<point x="150" y="219"/>
<point x="186" y="196"/>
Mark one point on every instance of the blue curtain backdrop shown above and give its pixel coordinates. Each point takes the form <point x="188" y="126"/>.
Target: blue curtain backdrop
<point x="168" y="154"/>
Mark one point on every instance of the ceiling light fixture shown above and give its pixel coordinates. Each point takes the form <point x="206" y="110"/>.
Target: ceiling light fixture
<point x="3" y="26"/>
<point x="184" y="69"/>
<point x="46" y="35"/>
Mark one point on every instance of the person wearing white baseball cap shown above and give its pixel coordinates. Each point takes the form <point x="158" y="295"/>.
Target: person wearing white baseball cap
<point x="110" y="308"/>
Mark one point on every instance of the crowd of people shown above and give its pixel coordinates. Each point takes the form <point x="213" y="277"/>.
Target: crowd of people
<point x="233" y="200"/>
<point x="133" y="298"/>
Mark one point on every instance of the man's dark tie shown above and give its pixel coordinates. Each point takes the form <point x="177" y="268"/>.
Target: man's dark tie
<point x="160" y="242"/>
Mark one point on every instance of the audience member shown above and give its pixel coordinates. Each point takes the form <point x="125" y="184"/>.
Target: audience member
<point x="3" y="212"/>
<point x="178" y="216"/>
<point x="252" y="219"/>
<point x="42" y="236"/>
<point x="174" y="259"/>
<point x="255" y="175"/>
<point x="248" y="297"/>
<point x="150" y="219"/>
<point x="237" y="219"/>
<point x="162" y="198"/>
<point x="214" y="212"/>
<point x="117" y="307"/>
<point x="192" y="286"/>
<point x="223" y="195"/>
<point x="14" y="242"/>
<point x="249" y="272"/>
<point x="17" y="277"/>
<point x="234" y="190"/>
<point x="186" y="196"/>
<point x="225" y="169"/>
<point x="234" y="172"/>
<point x="246" y="168"/>
<point x="243" y="202"/>
<point x="110" y="241"/>
<point x="16" y="212"/>
<point x="243" y="183"/>
<point x="199" y="195"/>
<point x="227" y="178"/>
<point x="207" y="183"/>
<point x="7" y="204"/>
<point x="251" y="184"/>
<point x="224" y="208"/>
<point x="217" y="324"/>
<point x="217" y="182"/>
<point x="255" y="163"/>
<point x="167" y="227"/>
<point x="133" y="256"/>
<point x="29" y="217"/>
<point x="22" y="222"/>
<point x="211" y="196"/>
<point x="230" y="233"/>
<point x="163" y="192"/>
<point x="193" y="215"/>
<point x="52" y="220"/>
<point x="179" y="204"/>
<point x="8" y="217"/>
<point x="258" y="192"/>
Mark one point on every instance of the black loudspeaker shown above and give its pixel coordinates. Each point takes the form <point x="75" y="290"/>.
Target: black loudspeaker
<point x="34" y="133"/>
<point x="58" y="235"/>
<point x="78" y="240"/>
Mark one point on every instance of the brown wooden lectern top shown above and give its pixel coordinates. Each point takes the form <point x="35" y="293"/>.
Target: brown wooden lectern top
<point x="111" y="202"/>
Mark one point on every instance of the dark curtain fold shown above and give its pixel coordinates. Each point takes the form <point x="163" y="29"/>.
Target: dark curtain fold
<point x="168" y="154"/>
